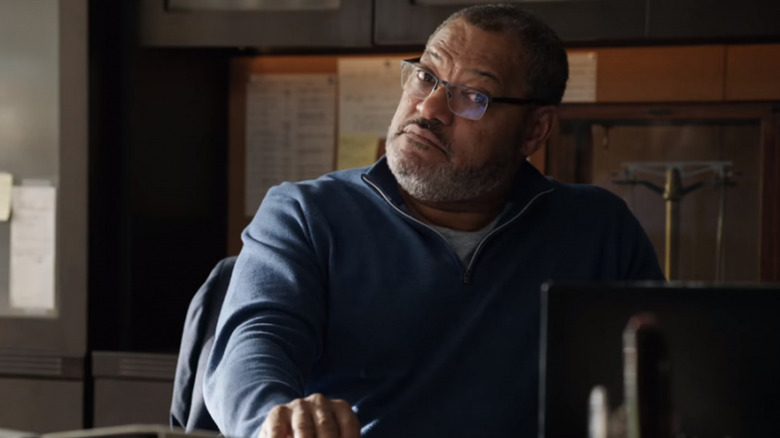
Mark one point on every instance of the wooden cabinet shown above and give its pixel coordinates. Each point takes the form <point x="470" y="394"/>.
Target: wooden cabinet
<point x="713" y="19"/>
<point x="661" y="74"/>
<point x="593" y="142"/>
<point x="753" y="72"/>
<point x="402" y="22"/>
<point x="704" y="73"/>
<point x="349" y="25"/>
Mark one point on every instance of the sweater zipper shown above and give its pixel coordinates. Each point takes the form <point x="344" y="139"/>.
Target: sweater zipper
<point x="467" y="272"/>
<point x="407" y="215"/>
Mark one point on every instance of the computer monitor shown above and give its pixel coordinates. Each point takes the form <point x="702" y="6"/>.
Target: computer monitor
<point x="722" y="342"/>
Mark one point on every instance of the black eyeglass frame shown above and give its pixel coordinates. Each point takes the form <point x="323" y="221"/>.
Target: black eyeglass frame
<point x="415" y="62"/>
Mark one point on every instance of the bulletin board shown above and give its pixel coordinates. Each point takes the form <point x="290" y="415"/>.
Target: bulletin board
<point x="306" y="77"/>
<point x="241" y="70"/>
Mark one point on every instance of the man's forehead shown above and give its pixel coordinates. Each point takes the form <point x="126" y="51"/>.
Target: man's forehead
<point x="493" y="55"/>
<point x="479" y="70"/>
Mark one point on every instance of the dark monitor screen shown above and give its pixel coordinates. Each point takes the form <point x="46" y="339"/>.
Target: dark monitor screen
<point x="723" y="347"/>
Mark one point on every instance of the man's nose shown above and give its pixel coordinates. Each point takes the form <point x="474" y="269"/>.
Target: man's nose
<point x="435" y="107"/>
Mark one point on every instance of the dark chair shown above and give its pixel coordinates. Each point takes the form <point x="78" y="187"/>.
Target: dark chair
<point x="188" y="410"/>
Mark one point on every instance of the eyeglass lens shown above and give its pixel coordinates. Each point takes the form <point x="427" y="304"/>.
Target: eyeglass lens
<point x="461" y="100"/>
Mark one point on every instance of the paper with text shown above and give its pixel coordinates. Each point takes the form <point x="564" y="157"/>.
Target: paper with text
<point x="357" y="150"/>
<point x="581" y="87"/>
<point x="290" y="131"/>
<point x="369" y="92"/>
<point x="6" y="183"/>
<point x="33" y="237"/>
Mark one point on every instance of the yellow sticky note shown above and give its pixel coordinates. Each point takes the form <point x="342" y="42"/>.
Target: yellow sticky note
<point x="6" y="184"/>
<point x="356" y="150"/>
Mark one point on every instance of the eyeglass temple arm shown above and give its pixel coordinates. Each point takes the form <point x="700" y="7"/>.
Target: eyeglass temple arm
<point x="519" y="101"/>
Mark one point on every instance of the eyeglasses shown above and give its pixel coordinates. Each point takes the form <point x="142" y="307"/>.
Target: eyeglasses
<point x="463" y="101"/>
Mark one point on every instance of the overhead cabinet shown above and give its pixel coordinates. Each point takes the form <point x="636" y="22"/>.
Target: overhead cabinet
<point x="695" y="73"/>
<point x="661" y="74"/>
<point x="325" y="24"/>
<point x="713" y="19"/>
<point x="405" y="22"/>
<point x="753" y="72"/>
<point x="258" y="23"/>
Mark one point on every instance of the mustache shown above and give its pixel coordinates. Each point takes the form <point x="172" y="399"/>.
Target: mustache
<point x="434" y="126"/>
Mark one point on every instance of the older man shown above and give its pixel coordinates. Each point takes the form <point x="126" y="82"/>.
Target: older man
<point x="403" y="299"/>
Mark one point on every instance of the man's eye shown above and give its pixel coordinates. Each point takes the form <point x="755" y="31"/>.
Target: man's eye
<point x="424" y="76"/>
<point x="476" y="97"/>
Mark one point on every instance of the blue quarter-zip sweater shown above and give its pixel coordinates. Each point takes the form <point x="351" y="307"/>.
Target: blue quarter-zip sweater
<point x="337" y="290"/>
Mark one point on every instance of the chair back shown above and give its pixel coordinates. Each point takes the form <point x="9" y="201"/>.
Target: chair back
<point x="188" y="409"/>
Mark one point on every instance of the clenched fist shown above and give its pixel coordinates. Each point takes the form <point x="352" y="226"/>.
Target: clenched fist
<point x="315" y="416"/>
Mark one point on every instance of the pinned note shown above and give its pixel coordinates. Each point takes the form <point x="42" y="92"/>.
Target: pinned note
<point x="357" y="150"/>
<point x="581" y="86"/>
<point x="290" y="131"/>
<point x="6" y="183"/>
<point x="32" y="252"/>
<point x="369" y="91"/>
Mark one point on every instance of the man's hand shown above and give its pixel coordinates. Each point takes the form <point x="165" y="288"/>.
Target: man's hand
<point x="315" y="416"/>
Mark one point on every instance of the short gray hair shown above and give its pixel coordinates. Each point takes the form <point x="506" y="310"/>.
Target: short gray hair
<point x="546" y="64"/>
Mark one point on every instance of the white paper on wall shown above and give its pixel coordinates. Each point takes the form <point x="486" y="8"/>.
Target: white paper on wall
<point x="6" y="184"/>
<point x="581" y="87"/>
<point x="290" y="131"/>
<point x="33" y="240"/>
<point x="369" y="91"/>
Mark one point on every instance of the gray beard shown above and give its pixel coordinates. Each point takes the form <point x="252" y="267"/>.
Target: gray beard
<point x="444" y="183"/>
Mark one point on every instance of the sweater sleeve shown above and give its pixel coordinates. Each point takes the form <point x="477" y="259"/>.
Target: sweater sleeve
<point x="270" y="328"/>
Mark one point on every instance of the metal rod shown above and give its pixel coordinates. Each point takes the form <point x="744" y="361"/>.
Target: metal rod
<point x="719" y="253"/>
<point x="672" y="196"/>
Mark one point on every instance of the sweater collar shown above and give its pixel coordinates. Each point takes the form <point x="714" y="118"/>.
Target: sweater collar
<point x="528" y="184"/>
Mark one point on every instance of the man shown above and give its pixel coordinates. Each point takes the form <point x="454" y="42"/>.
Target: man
<point x="403" y="299"/>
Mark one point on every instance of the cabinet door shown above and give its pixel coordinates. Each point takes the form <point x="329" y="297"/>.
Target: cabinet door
<point x="343" y="23"/>
<point x="403" y="22"/>
<point x="43" y="137"/>
<point x="132" y="388"/>
<point x="753" y="72"/>
<point x="41" y="405"/>
<point x="43" y="141"/>
<point x="710" y="19"/>
<point x="661" y="74"/>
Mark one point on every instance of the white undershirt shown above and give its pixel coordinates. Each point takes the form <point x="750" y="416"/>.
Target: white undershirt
<point x="465" y="242"/>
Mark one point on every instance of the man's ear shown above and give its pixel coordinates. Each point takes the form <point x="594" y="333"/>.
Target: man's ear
<point x="543" y="121"/>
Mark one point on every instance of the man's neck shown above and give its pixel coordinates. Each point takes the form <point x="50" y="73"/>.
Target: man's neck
<point x="462" y="215"/>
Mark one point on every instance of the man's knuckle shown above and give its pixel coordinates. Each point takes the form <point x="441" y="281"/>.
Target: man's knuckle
<point x="303" y="424"/>
<point x="324" y="422"/>
<point x="339" y="403"/>
<point x="318" y="398"/>
<point x="296" y="404"/>
<point x="276" y="429"/>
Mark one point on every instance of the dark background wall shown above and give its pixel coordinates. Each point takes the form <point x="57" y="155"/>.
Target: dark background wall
<point x="158" y="154"/>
